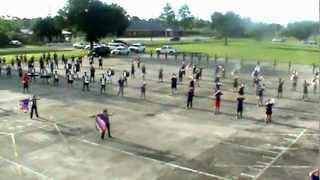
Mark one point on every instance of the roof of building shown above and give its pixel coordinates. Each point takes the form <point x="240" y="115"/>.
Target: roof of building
<point x="151" y="25"/>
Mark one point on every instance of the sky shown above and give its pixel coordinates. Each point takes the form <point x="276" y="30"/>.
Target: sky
<point x="269" y="11"/>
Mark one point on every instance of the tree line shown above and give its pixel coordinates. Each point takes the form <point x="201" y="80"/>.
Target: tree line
<point x="95" y="19"/>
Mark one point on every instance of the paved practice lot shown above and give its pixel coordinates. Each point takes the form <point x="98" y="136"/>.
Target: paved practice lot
<point x="157" y="138"/>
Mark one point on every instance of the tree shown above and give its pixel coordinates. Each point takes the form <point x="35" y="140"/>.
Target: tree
<point x="46" y="28"/>
<point x="4" y="39"/>
<point x="185" y="16"/>
<point x="301" y="30"/>
<point x="96" y="19"/>
<point x="168" y="15"/>
<point x="227" y="25"/>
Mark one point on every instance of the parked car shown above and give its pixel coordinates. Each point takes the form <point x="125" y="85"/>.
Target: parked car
<point x="166" y="50"/>
<point x="137" y="48"/>
<point x="121" y="50"/>
<point x="15" y="43"/>
<point x="278" y="40"/>
<point x="113" y="46"/>
<point x="99" y="51"/>
<point x="88" y="47"/>
<point x="120" y="41"/>
<point x="177" y="38"/>
<point x="311" y="42"/>
<point x="79" y="45"/>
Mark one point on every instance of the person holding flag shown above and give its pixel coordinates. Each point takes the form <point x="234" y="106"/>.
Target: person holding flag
<point x="103" y="123"/>
<point x="315" y="174"/>
<point x="24" y="105"/>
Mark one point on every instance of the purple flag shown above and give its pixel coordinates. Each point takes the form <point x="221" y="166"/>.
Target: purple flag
<point x="24" y="105"/>
<point x="100" y="123"/>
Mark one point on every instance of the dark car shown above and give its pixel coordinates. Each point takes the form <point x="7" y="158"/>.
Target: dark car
<point x="175" y="39"/>
<point x="120" y="41"/>
<point x="100" y="51"/>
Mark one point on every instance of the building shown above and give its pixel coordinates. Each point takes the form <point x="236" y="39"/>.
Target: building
<point x="151" y="28"/>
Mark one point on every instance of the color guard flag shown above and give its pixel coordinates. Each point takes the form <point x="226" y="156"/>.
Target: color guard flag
<point x="100" y="123"/>
<point x="24" y="105"/>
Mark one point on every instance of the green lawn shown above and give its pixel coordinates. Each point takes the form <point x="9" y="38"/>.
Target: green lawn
<point x="10" y="54"/>
<point x="247" y="49"/>
<point x="251" y="50"/>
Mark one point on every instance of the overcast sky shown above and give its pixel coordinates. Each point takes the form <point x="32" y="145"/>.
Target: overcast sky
<point x="271" y="11"/>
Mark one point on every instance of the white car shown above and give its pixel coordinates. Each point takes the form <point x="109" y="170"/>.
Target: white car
<point x="137" y="48"/>
<point x="276" y="40"/>
<point x="15" y="43"/>
<point x="166" y="50"/>
<point x="113" y="46"/>
<point x="95" y="45"/>
<point x="120" y="50"/>
<point x="310" y="42"/>
<point x="79" y="45"/>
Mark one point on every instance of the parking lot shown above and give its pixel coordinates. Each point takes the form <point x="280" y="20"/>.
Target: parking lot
<point x="157" y="138"/>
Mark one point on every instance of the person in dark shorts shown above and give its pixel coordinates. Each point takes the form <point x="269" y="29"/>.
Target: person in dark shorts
<point x="143" y="90"/>
<point x="125" y="75"/>
<point x="197" y="75"/>
<point x="240" y="100"/>
<point x="85" y="80"/>
<point x="161" y="74"/>
<point x="173" y="84"/>
<point x="235" y="82"/>
<point x="180" y="73"/>
<point x="305" y="90"/>
<point x="190" y="96"/>
<point x="191" y="83"/>
<point x="241" y="90"/>
<point x="100" y="63"/>
<point x="92" y="74"/>
<point x="121" y="86"/>
<point x="133" y="70"/>
<point x="144" y="71"/>
<point x="261" y="89"/>
<point x="70" y="79"/>
<point x="269" y="106"/>
<point x="34" y="107"/>
<point x="280" y="88"/>
<point x="103" y="82"/>
<point x="294" y="79"/>
<point x="55" y="79"/>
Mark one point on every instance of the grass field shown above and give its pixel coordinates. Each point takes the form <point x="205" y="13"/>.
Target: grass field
<point x="246" y="49"/>
<point x="249" y="49"/>
<point x="10" y="54"/>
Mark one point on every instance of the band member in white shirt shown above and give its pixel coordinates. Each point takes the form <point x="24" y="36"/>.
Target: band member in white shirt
<point x="85" y="80"/>
<point x="70" y="79"/>
<point x="55" y="79"/>
<point x="109" y="76"/>
<point x="103" y="81"/>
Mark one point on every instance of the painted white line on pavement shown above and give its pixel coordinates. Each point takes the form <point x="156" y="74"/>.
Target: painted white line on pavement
<point x="251" y="148"/>
<point x="247" y="175"/>
<point x="26" y="168"/>
<point x="262" y="166"/>
<point x="155" y="160"/>
<point x="4" y="133"/>
<point x="16" y="155"/>
<point x="280" y="154"/>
